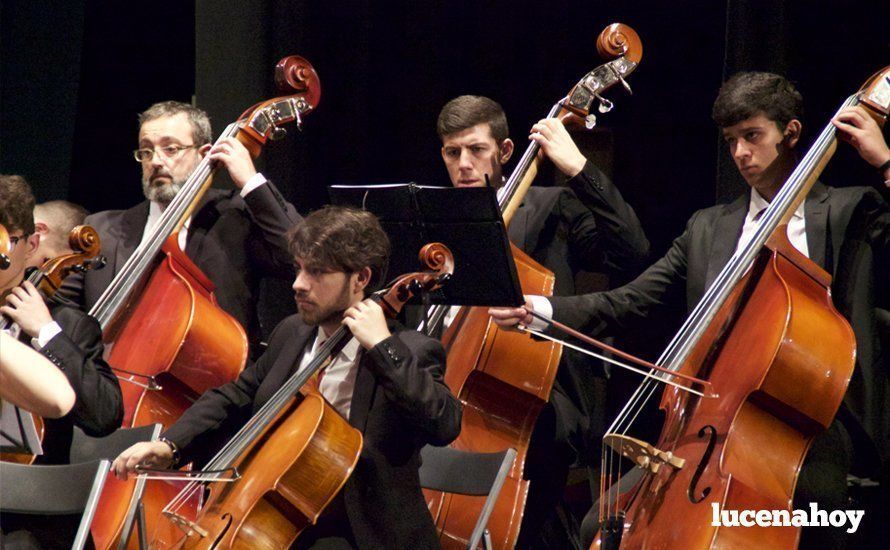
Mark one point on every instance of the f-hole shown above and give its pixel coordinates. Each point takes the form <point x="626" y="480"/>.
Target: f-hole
<point x="711" y="433"/>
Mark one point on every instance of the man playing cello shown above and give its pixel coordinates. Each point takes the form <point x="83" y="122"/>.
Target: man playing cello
<point x="387" y="381"/>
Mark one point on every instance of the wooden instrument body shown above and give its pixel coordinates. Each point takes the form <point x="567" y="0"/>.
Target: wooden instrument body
<point x="176" y="333"/>
<point x="780" y="357"/>
<point x="503" y="379"/>
<point x="175" y="327"/>
<point x="289" y="475"/>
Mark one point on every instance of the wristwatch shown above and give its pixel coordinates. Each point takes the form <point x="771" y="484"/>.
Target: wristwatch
<point x="174" y="449"/>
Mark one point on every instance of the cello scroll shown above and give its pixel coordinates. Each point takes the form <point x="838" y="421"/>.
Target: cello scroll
<point x="435" y="256"/>
<point x="84" y="241"/>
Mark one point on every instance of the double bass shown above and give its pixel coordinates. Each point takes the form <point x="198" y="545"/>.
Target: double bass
<point x="166" y="338"/>
<point x="767" y="338"/>
<point x="285" y="465"/>
<point x="502" y="378"/>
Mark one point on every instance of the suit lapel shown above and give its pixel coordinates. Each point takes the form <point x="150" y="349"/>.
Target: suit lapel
<point x="816" y="220"/>
<point x="203" y="217"/>
<point x="727" y="230"/>
<point x="290" y="359"/>
<point x="132" y="228"/>
<point x="362" y="394"/>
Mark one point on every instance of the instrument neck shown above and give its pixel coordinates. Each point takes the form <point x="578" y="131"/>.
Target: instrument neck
<point x="512" y="193"/>
<point x="132" y="274"/>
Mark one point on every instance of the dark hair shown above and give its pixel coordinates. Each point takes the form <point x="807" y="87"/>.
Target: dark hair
<point x="342" y="239"/>
<point x="745" y="95"/>
<point x="16" y="204"/>
<point x="467" y="111"/>
<point x="198" y="119"/>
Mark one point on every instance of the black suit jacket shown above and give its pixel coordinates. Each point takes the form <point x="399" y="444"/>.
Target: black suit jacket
<point x="848" y="233"/>
<point x="98" y="409"/>
<point x="585" y="226"/>
<point x="235" y="241"/>
<point x="399" y="403"/>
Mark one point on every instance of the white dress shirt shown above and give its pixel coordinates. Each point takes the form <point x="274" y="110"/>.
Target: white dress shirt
<point x="338" y="381"/>
<point x="155" y="210"/>
<point x="797" y="233"/>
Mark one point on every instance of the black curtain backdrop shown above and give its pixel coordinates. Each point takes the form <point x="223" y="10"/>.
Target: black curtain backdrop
<point x="74" y="78"/>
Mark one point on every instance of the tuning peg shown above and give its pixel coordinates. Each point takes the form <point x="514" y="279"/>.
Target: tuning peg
<point x="626" y="85"/>
<point x="605" y="105"/>
<point x="590" y="121"/>
<point x="277" y="133"/>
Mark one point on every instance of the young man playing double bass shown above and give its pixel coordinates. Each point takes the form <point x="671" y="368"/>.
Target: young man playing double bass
<point x="584" y="225"/>
<point x="387" y="381"/>
<point x="844" y="230"/>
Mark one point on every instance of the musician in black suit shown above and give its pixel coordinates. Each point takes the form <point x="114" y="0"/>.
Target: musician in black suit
<point x="584" y="225"/>
<point x="70" y="339"/>
<point x="387" y="381"/>
<point x="235" y="237"/>
<point x="844" y="230"/>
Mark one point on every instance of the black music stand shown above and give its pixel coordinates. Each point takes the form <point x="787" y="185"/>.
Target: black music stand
<point x="468" y="221"/>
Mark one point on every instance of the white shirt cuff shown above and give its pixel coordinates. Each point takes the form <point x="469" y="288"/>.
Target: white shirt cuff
<point x="543" y="306"/>
<point x="255" y="181"/>
<point x="47" y="333"/>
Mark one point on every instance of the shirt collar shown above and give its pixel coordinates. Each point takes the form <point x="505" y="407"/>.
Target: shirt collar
<point x="757" y="204"/>
<point x="155" y="210"/>
<point x="349" y="351"/>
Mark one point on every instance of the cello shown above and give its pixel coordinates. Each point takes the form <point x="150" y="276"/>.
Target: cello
<point x="293" y="455"/>
<point x="779" y="356"/>
<point x="502" y="378"/>
<point x="165" y="335"/>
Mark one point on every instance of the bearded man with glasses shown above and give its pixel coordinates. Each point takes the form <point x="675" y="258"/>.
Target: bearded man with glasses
<point x="235" y="237"/>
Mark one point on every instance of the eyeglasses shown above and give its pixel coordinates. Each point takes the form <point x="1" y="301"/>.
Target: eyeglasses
<point x="168" y="151"/>
<point x="15" y="240"/>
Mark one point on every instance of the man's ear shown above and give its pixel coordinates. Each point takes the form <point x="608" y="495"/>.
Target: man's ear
<point x="33" y="242"/>
<point x="41" y="228"/>
<point x="505" y="151"/>
<point x="202" y="150"/>
<point x="792" y="132"/>
<point x="362" y="280"/>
